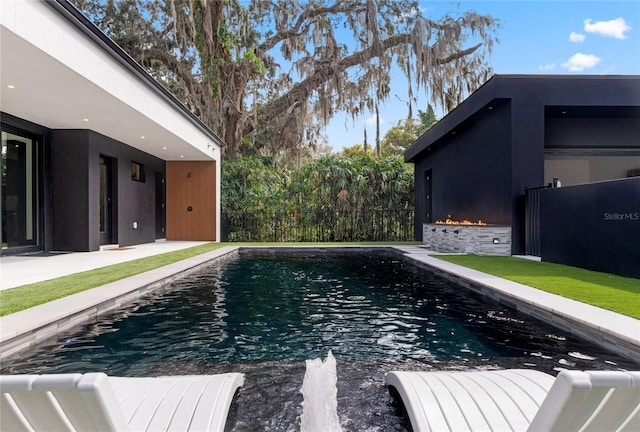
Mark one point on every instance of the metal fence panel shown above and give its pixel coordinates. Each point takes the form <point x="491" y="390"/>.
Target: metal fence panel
<point x="319" y="226"/>
<point x="532" y="220"/>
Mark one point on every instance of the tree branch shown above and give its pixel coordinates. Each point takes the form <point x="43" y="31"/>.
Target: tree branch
<point x="328" y="69"/>
<point x="297" y="29"/>
<point x="183" y="72"/>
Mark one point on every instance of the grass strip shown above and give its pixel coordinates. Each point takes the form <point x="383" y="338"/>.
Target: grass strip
<point x="615" y="293"/>
<point x="26" y="296"/>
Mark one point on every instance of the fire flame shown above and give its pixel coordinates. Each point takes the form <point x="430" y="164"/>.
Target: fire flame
<point x="449" y="221"/>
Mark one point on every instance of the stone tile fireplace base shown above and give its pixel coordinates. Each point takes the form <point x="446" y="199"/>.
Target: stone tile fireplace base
<point x="468" y="239"/>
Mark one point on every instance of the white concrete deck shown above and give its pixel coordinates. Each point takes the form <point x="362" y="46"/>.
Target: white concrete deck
<point x="26" y="328"/>
<point x="26" y="269"/>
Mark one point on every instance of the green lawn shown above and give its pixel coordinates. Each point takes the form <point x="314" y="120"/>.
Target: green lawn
<point x="605" y="290"/>
<point x="26" y="296"/>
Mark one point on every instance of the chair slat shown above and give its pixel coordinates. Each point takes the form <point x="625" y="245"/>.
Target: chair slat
<point x="213" y="407"/>
<point x="614" y="412"/>
<point x="76" y="410"/>
<point x="176" y="408"/>
<point x="11" y="419"/>
<point x="41" y="411"/>
<point x="632" y="424"/>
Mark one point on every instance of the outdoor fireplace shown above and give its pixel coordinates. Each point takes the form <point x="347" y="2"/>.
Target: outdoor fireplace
<point x="478" y="238"/>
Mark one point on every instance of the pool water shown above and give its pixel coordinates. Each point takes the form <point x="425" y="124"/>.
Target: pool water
<point x="265" y="315"/>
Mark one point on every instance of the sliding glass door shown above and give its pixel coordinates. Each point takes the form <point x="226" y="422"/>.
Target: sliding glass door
<point x="19" y="190"/>
<point x="106" y="199"/>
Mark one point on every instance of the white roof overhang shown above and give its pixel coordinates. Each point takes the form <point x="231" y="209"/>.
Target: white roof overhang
<point x="65" y="74"/>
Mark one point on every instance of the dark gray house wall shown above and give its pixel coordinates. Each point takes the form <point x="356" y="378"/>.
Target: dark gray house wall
<point x="75" y="184"/>
<point x="469" y="179"/>
<point x="68" y="188"/>
<point x="570" y="133"/>
<point x="70" y="184"/>
<point x="486" y="152"/>
<point x="136" y="200"/>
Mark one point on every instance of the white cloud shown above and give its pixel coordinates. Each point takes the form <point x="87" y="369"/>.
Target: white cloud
<point x="547" y="67"/>
<point x="612" y="28"/>
<point x="576" y="37"/>
<point x="579" y="62"/>
<point x="372" y="120"/>
<point x="413" y="12"/>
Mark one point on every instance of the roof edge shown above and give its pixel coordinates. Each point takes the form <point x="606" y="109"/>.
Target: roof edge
<point x="82" y="23"/>
<point x="484" y="95"/>
<point x="452" y="118"/>
<point x="565" y="76"/>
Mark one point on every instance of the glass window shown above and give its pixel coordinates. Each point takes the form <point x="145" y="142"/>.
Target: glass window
<point x="137" y="172"/>
<point x="19" y="191"/>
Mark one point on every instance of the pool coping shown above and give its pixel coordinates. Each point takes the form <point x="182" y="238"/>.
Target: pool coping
<point x="24" y="330"/>
<point x="613" y="331"/>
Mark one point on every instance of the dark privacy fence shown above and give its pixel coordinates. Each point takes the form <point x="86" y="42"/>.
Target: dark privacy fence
<point x="532" y="220"/>
<point x="319" y="226"/>
<point x="594" y="226"/>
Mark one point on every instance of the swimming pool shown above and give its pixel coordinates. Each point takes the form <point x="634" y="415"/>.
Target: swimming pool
<point x="264" y="315"/>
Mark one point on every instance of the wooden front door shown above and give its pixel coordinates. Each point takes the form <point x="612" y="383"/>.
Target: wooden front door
<point x="191" y="200"/>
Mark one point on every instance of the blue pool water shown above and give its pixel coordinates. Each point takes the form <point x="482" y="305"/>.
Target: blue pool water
<point x="264" y="315"/>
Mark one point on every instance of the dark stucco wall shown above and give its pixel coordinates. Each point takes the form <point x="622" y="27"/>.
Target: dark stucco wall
<point x="135" y="200"/>
<point x="592" y="132"/>
<point x="471" y="171"/>
<point x="75" y="185"/>
<point x="70" y="155"/>
<point x="594" y="226"/>
<point x="527" y="156"/>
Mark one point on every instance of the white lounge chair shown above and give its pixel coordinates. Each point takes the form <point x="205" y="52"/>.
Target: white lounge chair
<point x="520" y="400"/>
<point x="97" y="402"/>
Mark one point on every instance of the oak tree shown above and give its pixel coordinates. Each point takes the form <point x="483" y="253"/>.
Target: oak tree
<point x="268" y="75"/>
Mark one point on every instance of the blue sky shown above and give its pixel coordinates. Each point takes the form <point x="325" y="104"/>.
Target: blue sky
<point x="536" y="37"/>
